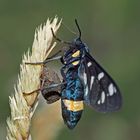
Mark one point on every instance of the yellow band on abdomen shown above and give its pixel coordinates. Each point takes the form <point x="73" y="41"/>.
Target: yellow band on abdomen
<point x="73" y="105"/>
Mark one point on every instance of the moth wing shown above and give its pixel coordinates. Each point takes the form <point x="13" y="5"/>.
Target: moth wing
<point x="100" y="90"/>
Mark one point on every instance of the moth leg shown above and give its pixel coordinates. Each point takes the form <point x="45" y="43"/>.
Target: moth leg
<point x="52" y="59"/>
<point x="58" y="39"/>
<point x="37" y="90"/>
<point x="44" y="62"/>
<point x="54" y="85"/>
<point x="29" y="93"/>
<point x="46" y="88"/>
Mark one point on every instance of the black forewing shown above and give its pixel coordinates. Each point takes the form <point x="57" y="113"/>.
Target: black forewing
<point x="100" y="90"/>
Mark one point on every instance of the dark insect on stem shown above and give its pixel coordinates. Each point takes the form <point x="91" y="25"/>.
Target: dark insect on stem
<point x="48" y="79"/>
<point x="84" y="82"/>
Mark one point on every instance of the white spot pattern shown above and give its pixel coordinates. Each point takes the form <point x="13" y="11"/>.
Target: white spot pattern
<point x="89" y="64"/>
<point x="91" y="81"/>
<point x="102" y="97"/>
<point x="100" y="75"/>
<point x="86" y="91"/>
<point x="85" y="78"/>
<point x="111" y="89"/>
<point x="98" y="102"/>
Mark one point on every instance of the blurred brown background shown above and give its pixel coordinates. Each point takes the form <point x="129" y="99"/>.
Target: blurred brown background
<point x="111" y="29"/>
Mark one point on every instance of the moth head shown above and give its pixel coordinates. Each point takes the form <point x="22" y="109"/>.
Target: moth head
<point x="77" y="42"/>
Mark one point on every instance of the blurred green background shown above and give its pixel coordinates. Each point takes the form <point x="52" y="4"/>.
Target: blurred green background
<point x="110" y="28"/>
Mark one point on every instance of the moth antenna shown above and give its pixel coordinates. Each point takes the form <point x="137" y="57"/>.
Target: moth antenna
<point x="58" y="39"/>
<point x="76" y="22"/>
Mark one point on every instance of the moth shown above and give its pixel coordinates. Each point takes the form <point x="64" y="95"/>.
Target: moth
<point x="84" y="82"/>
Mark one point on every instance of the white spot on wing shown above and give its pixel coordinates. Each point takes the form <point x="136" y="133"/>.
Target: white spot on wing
<point x="85" y="78"/>
<point x="111" y="89"/>
<point x="100" y="75"/>
<point x="85" y="82"/>
<point x="86" y="91"/>
<point x="102" y="97"/>
<point x="91" y="81"/>
<point x="89" y="64"/>
<point x="98" y="102"/>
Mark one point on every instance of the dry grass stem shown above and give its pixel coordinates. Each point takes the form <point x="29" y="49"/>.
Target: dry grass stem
<point x="23" y="107"/>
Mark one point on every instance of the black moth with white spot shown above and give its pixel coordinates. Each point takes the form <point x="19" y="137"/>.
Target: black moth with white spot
<point x="84" y="80"/>
<point x="100" y="90"/>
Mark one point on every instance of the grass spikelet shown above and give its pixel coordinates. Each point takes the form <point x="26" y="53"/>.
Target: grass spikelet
<point x="23" y="107"/>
